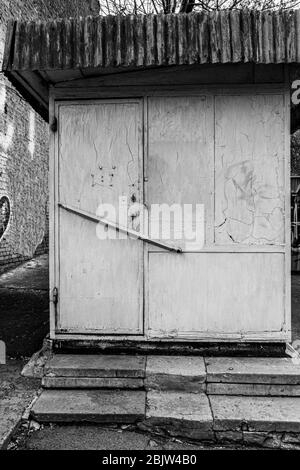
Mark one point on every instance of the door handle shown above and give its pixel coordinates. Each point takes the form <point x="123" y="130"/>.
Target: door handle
<point x="118" y="228"/>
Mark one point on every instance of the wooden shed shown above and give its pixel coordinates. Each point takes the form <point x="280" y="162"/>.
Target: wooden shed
<point x="166" y="109"/>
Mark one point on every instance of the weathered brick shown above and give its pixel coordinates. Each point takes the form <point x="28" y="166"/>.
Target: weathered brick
<point x="24" y="144"/>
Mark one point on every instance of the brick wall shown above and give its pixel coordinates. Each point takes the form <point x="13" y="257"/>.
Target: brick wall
<point x="24" y="146"/>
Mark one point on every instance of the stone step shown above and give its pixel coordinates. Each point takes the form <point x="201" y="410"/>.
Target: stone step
<point x="260" y="421"/>
<point x="178" y="414"/>
<point x="93" y="406"/>
<point x="177" y="373"/>
<point x="253" y="389"/>
<point x="255" y="414"/>
<point x="172" y="413"/>
<point x="94" y="365"/>
<point x="215" y="376"/>
<point x="271" y="371"/>
<point x="92" y="382"/>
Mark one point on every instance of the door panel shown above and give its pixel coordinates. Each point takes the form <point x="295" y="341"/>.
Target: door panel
<point x="250" y="195"/>
<point x="200" y="294"/>
<point x="100" y="160"/>
<point x="180" y="155"/>
<point x="228" y="153"/>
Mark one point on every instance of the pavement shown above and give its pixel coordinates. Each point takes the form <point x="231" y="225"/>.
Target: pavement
<point x="16" y="393"/>
<point x="92" y="437"/>
<point x="23" y="326"/>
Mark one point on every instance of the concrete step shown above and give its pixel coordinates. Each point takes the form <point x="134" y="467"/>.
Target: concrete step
<point x="178" y="414"/>
<point x="255" y="414"/>
<point x="76" y="371"/>
<point x="215" y="376"/>
<point x="253" y="389"/>
<point x="260" y="421"/>
<point x="172" y="413"/>
<point x="268" y="422"/>
<point x="92" y="406"/>
<point x="253" y="376"/>
<point x="176" y="373"/>
<point x="89" y="365"/>
<point x="92" y="383"/>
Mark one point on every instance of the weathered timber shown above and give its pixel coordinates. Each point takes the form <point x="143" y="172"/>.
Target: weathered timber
<point x="107" y="346"/>
<point x="154" y="40"/>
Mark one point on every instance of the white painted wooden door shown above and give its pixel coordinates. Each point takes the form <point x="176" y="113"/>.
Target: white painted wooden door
<point x="226" y="151"/>
<point x="99" y="161"/>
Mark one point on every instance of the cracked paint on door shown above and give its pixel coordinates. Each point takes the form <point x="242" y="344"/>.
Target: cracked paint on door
<point x="249" y="170"/>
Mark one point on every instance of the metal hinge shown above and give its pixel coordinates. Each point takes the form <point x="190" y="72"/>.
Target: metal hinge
<point x="53" y="125"/>
<point x="55" y="301"/>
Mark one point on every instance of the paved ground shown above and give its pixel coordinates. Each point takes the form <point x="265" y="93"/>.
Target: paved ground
<point x="16" y="393"/>
<point x="24" y="307"/>
<point x="23" y="326"/>
<point x="96" y="437"/>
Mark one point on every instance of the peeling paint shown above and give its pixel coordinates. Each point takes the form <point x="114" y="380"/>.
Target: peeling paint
<point x="250" y="171"/>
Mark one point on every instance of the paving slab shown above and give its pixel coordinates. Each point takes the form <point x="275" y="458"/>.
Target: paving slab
<point x="252" y="370"/>
<point x="95" y="365"/>
<point x="10" y="415"/>
<point x="16" y="393"/>
<point x="85" y="437"/>
<point x="234" y="413"/>
<point x="179" y="414"/>
<point x="92" y="382"/>
<point x="95" y="437"/>
<point x="95" y="406"/>
<point x="178" y="373"/>
<point x="277" y="390"/>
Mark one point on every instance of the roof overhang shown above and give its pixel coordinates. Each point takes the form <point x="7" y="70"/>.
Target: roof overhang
<point x="38" y="54"/>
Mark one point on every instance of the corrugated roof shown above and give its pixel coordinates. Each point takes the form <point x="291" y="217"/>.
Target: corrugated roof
<point x="153" y="40"/>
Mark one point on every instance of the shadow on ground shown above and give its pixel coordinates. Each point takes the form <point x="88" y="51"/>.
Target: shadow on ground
<point x="24" y="307"/>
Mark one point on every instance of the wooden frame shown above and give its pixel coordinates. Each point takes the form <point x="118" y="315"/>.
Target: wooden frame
<point x="68" y="94"/>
